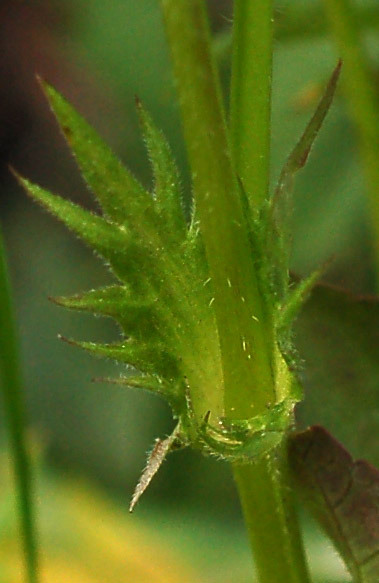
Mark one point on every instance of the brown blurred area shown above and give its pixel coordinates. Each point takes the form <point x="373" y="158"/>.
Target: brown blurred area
<point x="34" y="41"/>
<point x="220" y="12"/>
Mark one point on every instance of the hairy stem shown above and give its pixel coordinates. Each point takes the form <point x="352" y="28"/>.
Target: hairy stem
<point x="362" y="101"/>
<point x="240" y="315"/>
<point x="12" y="392"/>
<point x="263" y="486"/>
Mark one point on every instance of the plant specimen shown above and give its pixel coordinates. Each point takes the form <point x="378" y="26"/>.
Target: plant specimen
<point x="206" y="305"/>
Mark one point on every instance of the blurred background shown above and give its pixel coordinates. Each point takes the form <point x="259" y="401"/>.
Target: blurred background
<point x="89" y="438"/>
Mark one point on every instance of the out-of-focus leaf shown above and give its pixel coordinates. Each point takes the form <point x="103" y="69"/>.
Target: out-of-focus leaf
<point x="279" y="236"/>
<point x="337" y="335"/>
<point x="159" y="544"/>
<point x="300" y="153"/>
<point x="306" y="20"/>
<point x="343" y="495"/>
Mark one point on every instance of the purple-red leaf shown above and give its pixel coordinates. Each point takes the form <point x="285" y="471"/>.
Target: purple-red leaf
<point x="337" y="336"/>
<point x="343" y="495"/>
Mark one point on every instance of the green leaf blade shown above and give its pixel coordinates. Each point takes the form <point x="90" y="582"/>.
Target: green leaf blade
<point x="300" y="153"/>
<point x="151" y="383"/>
<point x="167" y="190"/>
<point x="124" y="201"/>
<point x="118" y="192"/>
<point x="105" y="301"/>
<point x="150" y="359"/>
<point x="295" y="300"/>
<point x="278" y="234"/>
<point x="137" y="319"/>
<point x="172" y="392"/>
<point x="105" y="238"/>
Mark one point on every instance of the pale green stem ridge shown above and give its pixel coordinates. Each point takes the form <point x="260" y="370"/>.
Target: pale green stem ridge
<point x="271" y="521"/>
<point x="250" y="96"/>
<point x="14" y="409"/>
<point x="362" y="100"/>
<point x="263" y="486"/>
<point x="239" y="310"/>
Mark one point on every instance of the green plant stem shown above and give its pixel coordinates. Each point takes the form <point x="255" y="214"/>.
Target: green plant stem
<point x="263" y="486"/>
<point x="362" y="101"/>
<point x="240" y="316"/>
<point x="297" y="23"/>
<point x="250" y="95"/>
<point x="271" y="521"/>
<point x="247" y="381"/>
<point x="15" y="415"/>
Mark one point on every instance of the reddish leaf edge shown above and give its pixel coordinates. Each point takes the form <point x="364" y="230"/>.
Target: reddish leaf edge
<point x="342" y="494"/>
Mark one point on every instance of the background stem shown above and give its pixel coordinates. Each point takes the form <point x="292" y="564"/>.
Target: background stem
<point x="15" y="415"/>
<point x="250" y="95"/>
<point x="361" y="99"/>
<point x="241" y="319"/>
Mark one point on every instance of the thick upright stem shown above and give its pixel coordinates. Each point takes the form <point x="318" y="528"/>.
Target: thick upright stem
<point x="272" y="524"/>
<point x="362" y="101"/>
<point x="250" y="97"/>
<point x="245" y="333"/>
<point x="14" y="409"/>
<point x="244" y="339"/>
<point x="263" y="486"/>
